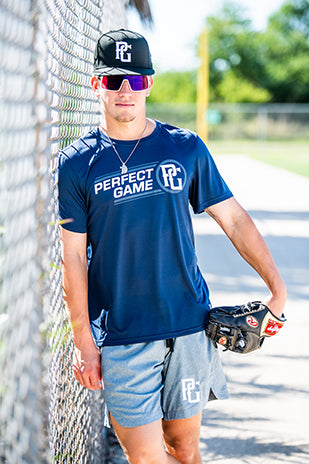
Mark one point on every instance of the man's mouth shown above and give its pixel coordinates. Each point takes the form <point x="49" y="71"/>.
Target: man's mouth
<point x="124" y="104"/>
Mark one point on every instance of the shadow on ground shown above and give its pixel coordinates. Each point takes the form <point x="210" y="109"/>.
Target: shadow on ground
<point x="226" y="272"/>
<point x="248" y="448"/>
<point x="265" y="421"/>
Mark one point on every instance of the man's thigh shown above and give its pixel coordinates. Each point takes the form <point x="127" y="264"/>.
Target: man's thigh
<point x="143" y="443"/>
<point x="183" y="428"/>
<point x="182" y="431"/>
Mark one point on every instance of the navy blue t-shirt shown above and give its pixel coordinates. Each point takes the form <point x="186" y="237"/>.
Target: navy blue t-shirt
<point x="144" y="283"/>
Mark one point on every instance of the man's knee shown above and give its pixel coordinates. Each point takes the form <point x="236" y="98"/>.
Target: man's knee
<point x="182" y="438"/>
<point x="185" y="450"/>
<point x="140" y="456"/>
<point x="143" y="444"/>
<point x="138" y="452"/>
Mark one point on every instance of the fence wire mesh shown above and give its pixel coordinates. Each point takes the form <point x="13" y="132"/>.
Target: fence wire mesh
<point x="240" y="121"/>
<point x="46" y="49"/>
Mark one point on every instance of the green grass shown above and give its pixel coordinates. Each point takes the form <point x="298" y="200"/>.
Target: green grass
<point x="290" y="155"/>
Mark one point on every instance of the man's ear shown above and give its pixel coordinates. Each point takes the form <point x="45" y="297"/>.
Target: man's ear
<point x="95" y="84"/>
<point x="150" y="86"/>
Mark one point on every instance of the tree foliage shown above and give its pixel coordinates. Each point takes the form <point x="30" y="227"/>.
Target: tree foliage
<point x="176" y="87"/>
<point x="143" y="9"/>
<point x="274" y="63"/>
<point x="246" y="65"/>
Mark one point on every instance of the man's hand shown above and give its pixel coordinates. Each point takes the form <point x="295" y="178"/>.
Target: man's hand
<point x="276" y="303"/>
<point x="87" y="367"/>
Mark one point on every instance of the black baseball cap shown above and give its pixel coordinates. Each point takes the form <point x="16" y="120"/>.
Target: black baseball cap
<point x="122" y="52"/>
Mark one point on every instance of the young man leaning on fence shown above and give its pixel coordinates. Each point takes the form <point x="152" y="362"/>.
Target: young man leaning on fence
<point x="139" y="309"/>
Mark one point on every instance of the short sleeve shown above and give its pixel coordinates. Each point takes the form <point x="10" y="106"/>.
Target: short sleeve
<point x="207" y="186"/>
<point x="72" y="201"/>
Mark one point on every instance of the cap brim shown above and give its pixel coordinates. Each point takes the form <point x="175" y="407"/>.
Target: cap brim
<point x="103" y="70"/>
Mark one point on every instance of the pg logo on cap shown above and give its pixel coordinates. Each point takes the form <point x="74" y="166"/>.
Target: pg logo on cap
<point x="122" y="52"/>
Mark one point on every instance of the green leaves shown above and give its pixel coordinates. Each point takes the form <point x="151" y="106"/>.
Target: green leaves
<point x="176" y="87"/>
<point x="249" y="66"/>
<point x="260" y="66"/>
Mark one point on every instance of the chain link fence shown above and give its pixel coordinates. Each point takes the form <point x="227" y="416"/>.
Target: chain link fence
<point x="240" y="121"/>
<point x="46" y="49"/>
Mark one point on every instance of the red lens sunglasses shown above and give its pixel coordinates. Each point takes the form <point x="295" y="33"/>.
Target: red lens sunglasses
<point x="114" y="83"/>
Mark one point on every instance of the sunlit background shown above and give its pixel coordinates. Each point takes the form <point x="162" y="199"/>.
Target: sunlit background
<point x="177" y="25"/>
<point x="246" y="92"/>
<point x="257" y="88"/>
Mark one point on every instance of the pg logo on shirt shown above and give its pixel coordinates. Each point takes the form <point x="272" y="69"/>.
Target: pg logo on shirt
<point x="140" y="181"/>
<point x="171" y="176"/>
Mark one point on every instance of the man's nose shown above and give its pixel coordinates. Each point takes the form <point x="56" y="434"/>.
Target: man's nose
<point x="125" y="87"/>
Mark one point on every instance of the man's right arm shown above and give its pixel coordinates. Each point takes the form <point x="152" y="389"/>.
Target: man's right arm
<point x="87" y="359"/>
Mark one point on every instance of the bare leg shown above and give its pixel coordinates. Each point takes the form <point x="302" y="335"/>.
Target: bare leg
<point x="144" y="444"/>
<point x="182" y="439"/>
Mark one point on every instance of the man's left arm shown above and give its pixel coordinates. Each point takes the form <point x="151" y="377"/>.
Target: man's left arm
<point x="241" y="230"/>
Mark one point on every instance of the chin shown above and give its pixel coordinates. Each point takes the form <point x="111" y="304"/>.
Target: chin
<point x="125" y="118"/>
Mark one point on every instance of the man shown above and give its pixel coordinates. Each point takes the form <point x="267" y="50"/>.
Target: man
<point x="139" y="311"/>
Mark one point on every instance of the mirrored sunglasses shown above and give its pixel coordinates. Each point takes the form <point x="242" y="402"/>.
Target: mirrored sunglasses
<point x="114" y="83"/>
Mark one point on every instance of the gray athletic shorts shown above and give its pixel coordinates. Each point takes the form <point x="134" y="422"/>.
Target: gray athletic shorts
<point x="146" y="382"/>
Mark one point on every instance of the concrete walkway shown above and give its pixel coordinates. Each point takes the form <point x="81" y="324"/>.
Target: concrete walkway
<point x="266" y="419"/>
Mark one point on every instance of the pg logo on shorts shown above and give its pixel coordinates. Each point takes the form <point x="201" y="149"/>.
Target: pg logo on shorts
<point x="122" y="52"/>
<point x="171" y="176"/>
<point x="191" y="390"/>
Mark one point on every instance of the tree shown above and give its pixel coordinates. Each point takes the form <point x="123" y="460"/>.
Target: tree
<point x="246" y="65"/>
<point x="287" y="40"/>
<point x="143" y="9"/>
<point x="237" y="90"/>
<point x="232" y="57"/>
<point x="175" y="87"/>
<point x="254" y="66"/>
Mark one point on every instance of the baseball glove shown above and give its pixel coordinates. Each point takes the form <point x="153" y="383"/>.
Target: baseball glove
<point x="242" y="328"/>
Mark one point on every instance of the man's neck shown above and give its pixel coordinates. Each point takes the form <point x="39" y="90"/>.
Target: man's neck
<point x="131" y="130"/>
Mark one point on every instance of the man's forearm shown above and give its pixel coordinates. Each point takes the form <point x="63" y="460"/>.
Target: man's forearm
<point x="245" y="237"/>
<point x="252" y="247"/>
<point x="86" y="358"/>
<point x="75" y="288"/>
